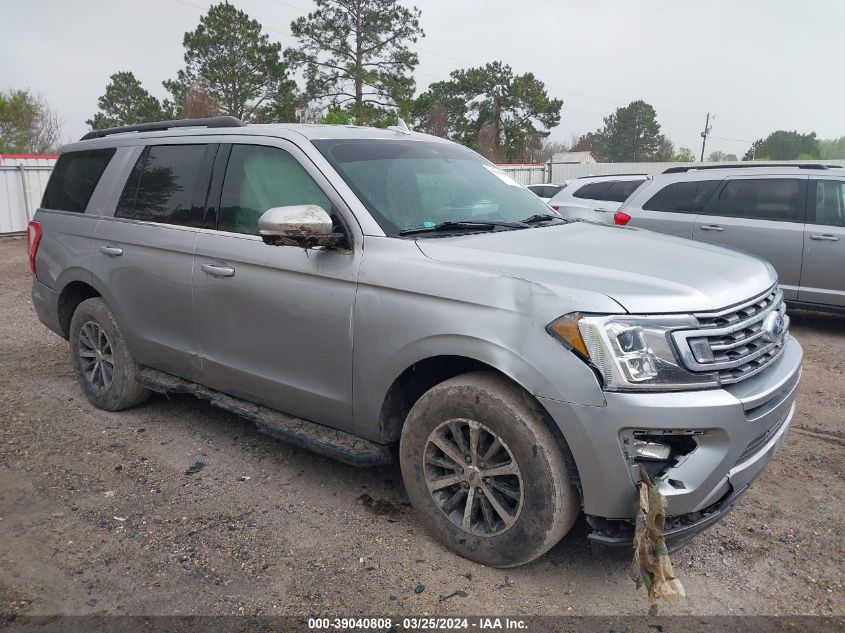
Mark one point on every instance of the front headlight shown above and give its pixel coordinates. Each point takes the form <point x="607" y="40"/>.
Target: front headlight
<point x="631" y="353"/>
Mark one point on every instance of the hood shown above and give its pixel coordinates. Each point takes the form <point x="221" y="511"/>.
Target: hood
<point x="644" y="272"/>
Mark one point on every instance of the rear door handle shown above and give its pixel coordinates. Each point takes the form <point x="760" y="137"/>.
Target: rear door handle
<point x="824" y="237"/>
<point x="111" y="251"/>
<point x="218" y="271"/>
<point x="711" y="227"/>
<point x="601" y="210"/>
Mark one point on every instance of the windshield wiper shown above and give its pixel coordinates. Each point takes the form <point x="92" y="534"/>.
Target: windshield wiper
<point x="464" y="225"/>
<point x="542" y="217"/>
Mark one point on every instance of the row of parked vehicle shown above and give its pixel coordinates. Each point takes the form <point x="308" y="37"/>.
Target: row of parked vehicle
<point x="791" y="215"/>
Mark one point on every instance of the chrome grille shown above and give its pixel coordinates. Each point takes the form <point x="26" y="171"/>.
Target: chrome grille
<point x="733" y="342"/>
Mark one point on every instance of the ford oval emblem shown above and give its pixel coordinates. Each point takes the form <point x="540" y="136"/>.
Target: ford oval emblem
<point x="774" y="327"/>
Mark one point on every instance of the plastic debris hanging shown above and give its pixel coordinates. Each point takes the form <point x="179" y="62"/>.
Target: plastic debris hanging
<point x="651" y="565"/>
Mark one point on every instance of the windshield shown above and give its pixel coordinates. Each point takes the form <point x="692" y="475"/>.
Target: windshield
<point x="408" y="183"/>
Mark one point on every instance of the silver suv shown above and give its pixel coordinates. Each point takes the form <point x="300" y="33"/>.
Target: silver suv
<point x="352" y="290"/>
<point x="793" y="216"/>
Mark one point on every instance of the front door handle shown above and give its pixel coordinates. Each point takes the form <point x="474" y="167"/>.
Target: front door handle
<point x="111" y="251"/>
<point x="218" y="271"/>
<point x="711" y="227"/>
<point x="824" y="237"/>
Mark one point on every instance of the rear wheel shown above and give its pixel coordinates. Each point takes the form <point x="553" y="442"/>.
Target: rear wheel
<point x="485" y="472"/>
<point x="101" y="360"/>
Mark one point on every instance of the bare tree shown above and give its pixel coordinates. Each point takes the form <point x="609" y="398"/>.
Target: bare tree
<point x="27" y="124"/>
<point x="198" y="102"/>
<point x="549" y="149"/>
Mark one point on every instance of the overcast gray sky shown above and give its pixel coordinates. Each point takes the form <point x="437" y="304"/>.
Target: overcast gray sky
<point x="757" y="65"/>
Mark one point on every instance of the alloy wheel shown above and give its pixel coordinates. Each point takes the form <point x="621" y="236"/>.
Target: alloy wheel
<point x="473" y="477"/>
<point x="96" y="356"/>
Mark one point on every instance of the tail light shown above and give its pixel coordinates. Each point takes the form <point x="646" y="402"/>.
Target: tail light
<point x="33" y="239"/>
<point x="621" y="218"/>
<point x="555" y="208"/>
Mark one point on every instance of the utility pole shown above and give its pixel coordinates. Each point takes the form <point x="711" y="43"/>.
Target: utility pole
<point x="704" y="135"/>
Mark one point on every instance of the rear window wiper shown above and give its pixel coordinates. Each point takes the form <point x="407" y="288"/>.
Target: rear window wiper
<point x="463" y="225"/>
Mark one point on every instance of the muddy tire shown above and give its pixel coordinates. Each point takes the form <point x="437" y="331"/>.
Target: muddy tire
<point x="485" y="472"/>
<point x="101" y="360"/>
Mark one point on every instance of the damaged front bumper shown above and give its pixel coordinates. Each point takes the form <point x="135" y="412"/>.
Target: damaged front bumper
<point x="737" y="431"/>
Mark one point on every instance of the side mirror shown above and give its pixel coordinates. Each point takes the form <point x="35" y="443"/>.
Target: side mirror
<point x="305" y="225"/>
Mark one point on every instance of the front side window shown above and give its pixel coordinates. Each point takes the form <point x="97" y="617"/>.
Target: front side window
<point x="408" y="183"/>
<point x="593" y="191"/>
<point x="682" y="197"/>
<point x="74" y="179"/>
<point x="761" y="199"/>
<point x="260" y="178"/>
<point x="161" y="185"/>
<point x="621" y="190"/>
<point x="830" y="203"/>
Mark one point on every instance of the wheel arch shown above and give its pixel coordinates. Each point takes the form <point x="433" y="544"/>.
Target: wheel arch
<point x="407" y="388"/>
<point x="71" y="295"/>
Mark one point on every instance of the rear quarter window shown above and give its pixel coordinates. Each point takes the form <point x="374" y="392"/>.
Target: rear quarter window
<point x="74" y="179"/>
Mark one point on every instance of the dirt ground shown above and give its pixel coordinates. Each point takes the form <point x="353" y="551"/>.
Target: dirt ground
<point x="97" y="514"/>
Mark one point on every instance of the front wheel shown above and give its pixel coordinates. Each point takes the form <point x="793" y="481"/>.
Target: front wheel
<point x="101" y="360"/>
<point x="485" y="472"/>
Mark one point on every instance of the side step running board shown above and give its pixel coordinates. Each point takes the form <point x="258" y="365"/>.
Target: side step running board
<point x="320" y="439"/>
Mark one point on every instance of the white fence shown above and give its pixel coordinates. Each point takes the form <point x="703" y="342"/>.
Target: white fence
<point x="21" y="189"/>
<point x="563" y="172"/>
<point x="525" y="173"/>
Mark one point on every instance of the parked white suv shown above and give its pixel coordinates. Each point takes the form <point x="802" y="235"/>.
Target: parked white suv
<point x="596" y="197"/>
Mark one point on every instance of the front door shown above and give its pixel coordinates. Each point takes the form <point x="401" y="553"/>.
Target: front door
<point x="823" y="271"/>
<point x="761" y="216"/>
<point x="274" y="322"/>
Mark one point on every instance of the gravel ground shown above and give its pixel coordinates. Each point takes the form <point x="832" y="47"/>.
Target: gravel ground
<point x="97" y="514"/>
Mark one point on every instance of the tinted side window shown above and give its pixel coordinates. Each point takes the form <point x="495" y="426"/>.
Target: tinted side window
<point x="260" y="178"/>
<point x="74" y="179"/>
<point x="621" y="190"/>
<point x="161" y="185"/>
<point x="682" y="197"/>
<point x="593" y="191"/>
<point x="761" y="199"/>
<point x="829" y="203"/>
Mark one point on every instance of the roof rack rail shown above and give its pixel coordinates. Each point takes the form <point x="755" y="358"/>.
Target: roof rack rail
<point x="154" y="126"/>
<point x="679" y="170"/>
<point x="611" y="175"/>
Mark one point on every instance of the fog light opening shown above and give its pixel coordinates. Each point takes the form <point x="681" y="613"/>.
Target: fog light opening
<point x="658" y="451"/>
<point x="644" y="450"/>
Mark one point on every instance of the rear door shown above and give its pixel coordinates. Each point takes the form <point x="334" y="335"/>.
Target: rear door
<point x="143" y="254"/>
<point x="763" y="216"/>
<point x="823" y="269"/>
<point x="672" y="208"/>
